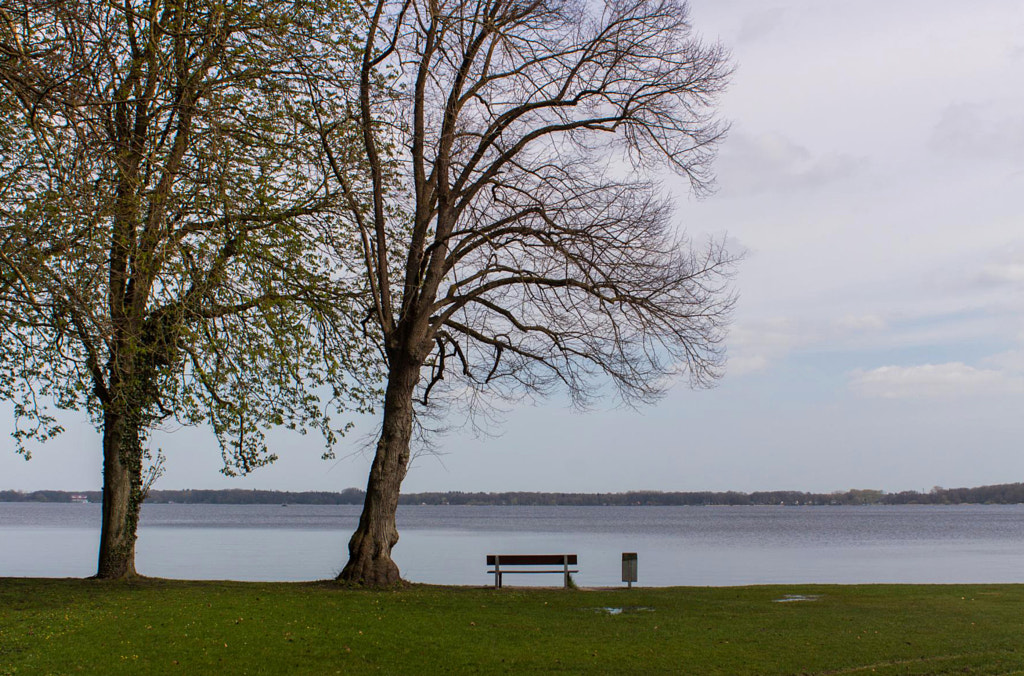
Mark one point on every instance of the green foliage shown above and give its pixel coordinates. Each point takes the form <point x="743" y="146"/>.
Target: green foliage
<point x="166" y="627"/>
<point x="169" y="246"/>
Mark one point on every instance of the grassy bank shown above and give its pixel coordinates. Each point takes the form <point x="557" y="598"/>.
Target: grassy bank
<point x="172" y="627"/>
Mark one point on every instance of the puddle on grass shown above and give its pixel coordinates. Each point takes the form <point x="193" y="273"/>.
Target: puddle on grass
<point x="793" y="598"/>
<point x="627" y="609"/>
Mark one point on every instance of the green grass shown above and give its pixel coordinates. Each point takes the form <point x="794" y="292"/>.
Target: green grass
<point x="221" y="628"/>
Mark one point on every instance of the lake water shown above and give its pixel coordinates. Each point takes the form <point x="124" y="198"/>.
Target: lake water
<point x="447" y="544"/>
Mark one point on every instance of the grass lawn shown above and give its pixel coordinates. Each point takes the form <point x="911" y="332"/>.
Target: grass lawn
<point x="175" y="627"/>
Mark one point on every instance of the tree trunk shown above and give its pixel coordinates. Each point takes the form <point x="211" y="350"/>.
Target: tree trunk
<point x="369" y="549"/>
<point x="122" y="496"/>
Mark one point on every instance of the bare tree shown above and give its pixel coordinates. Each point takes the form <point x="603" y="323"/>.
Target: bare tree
<point x="164" y="241"/>
<point x="517" y="236"/>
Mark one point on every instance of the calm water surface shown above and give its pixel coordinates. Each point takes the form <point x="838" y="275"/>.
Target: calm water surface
<point x="447" y="544"/>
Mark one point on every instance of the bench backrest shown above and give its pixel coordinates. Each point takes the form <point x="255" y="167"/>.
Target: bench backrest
<point x="531" y="559"/>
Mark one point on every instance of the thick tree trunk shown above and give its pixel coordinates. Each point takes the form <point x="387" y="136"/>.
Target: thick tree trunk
<point x="122" y="496"/>
<point x="369" y="549"/>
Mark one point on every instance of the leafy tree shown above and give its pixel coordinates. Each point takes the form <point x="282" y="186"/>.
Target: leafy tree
<point x="168" y="238"/>
<point x="517" y="237"/>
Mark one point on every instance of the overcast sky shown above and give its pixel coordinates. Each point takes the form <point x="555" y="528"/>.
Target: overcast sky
<point x="875" y="177"/>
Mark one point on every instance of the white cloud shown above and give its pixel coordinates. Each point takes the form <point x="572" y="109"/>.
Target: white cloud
<point x="1011" y="361"/>
<point x="972" y="131"/>
<point x="859" y="323"/>
<point x="754" y="163"/>
<point x="760" y="23"/>
<point x="1012" y="273"/>
<point x="754" y="346"/>
<point x="952" y="379"/>
<point x="744" y="364"/>
<point x="778" y="334"/>
<point x="996" y="268"/>
<point x="1005" y="265"/>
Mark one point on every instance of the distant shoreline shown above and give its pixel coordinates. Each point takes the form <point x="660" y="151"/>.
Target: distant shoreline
<point x="999" y="494"/>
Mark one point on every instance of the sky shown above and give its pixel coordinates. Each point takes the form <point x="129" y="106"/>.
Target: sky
<point x="874" y="178"/>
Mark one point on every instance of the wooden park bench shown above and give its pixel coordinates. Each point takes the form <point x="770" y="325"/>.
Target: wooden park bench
<point x="502" y="563"/>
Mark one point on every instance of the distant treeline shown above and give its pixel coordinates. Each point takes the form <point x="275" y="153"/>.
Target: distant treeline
<point x="229" y="496"/>
<point x="1001" y="494"/>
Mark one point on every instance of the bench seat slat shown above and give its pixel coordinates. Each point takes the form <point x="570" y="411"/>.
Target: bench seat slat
<point x="527" y="572"/>
<point x="531" y="559"/>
